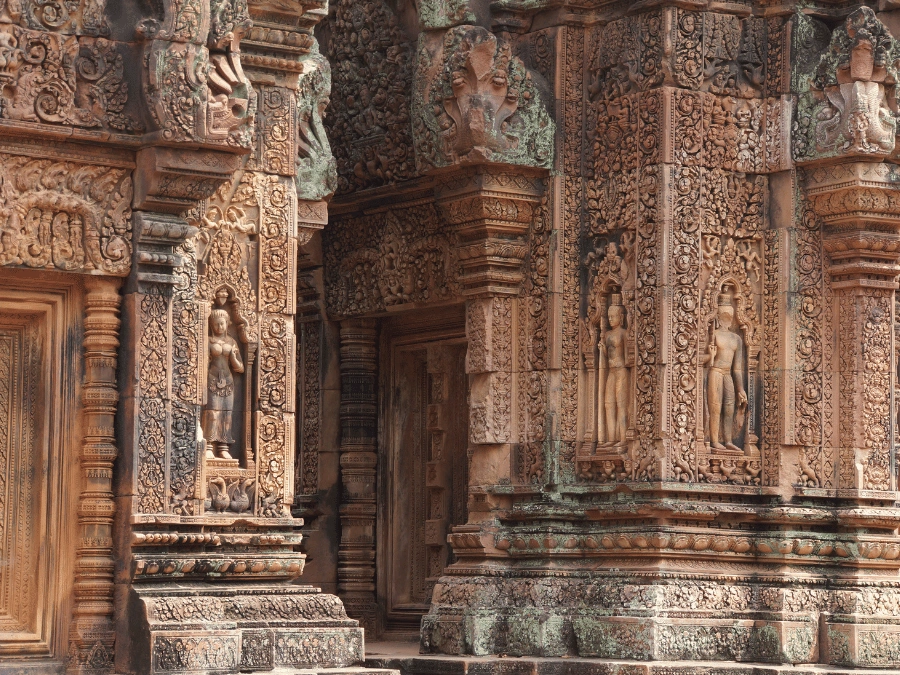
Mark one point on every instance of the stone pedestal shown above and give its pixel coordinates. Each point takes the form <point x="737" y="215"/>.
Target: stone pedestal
<point x="203" y="628"/>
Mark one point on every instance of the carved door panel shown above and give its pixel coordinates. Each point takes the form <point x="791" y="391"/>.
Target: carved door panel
<point x="36" y="388"/>
<point x="423" y="477"/>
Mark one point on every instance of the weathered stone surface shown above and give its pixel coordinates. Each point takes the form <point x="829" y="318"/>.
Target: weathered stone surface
<point x="564" y="331"/>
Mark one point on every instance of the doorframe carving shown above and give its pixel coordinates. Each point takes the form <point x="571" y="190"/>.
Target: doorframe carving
<point x="443" y="324"/>
<point x="58" y="300"/>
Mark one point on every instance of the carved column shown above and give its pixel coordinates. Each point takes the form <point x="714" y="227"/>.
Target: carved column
<point x="359" y="429"/>
<point x="92" y="635"/>
<point x="859" y="204"/>
<point x="491" y="208"/>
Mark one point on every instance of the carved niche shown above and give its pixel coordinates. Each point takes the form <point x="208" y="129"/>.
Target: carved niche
<point x="244" y="259"/>
<point x="476" y="102"/>
<point x="607" y="335"/>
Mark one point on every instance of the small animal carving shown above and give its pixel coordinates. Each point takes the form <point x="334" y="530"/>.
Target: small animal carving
<point x="218" y="494"/>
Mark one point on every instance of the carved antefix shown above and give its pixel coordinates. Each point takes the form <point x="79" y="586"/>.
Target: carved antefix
<point x="848" y="104"/>
<point x="476" y="102"/>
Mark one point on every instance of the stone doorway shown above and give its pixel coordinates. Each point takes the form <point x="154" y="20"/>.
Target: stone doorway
<point x="39" y="480"/>
<point x="423" y="468"/>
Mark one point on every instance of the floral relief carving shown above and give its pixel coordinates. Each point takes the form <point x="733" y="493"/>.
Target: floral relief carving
<point x="369" y="125"/>
<point x="389" y="258"/>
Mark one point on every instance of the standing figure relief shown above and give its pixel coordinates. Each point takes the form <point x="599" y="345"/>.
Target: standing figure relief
<point x="614" y="399"/>
<point x="224" y="361"/>
<point x="726" y="398"/>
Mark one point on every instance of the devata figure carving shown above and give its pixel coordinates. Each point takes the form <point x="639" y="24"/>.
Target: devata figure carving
<point x="726" y="378"/>
<point x="612" y="361"/>
<point x="224" y="361"/>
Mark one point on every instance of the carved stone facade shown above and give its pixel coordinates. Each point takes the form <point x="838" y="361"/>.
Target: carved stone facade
<point x="563" y="329"/>
<point x="162" y="164"/>
<point x="671" y="230"/>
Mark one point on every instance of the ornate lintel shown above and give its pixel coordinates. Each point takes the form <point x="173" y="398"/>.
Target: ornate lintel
<point x="311" y="217"/>
<point x="491" y="208"/>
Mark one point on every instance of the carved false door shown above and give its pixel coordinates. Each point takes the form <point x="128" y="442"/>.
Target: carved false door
<point x="38" y="485"/>
<point x="422" y="471"/>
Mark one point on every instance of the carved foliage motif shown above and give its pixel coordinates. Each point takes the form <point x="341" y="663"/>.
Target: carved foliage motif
<point x="475" y="101"/>
<point x="388" y="258"/>
<point x="370" y="130"/>
<point x="152" y="415"/>
<point x="876" y="383"/>
<point x="684" y="270"/>
<point x="307" y="481"/>
<point x="56" y="79"/>
<point x="808" y="341"/>
<point x="193" y="80"/>
<point x="80" y="17"/>
<point x="64" y="215"/>
<point x="532" y="352"/>
<point x="570" y="262"/>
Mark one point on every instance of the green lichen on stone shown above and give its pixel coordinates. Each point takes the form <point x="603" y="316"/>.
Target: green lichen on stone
<point x="819" y="58"/>
<point x="316" y="176"/>
<point x="439" y="14"/>
<point x="474" y="102"/>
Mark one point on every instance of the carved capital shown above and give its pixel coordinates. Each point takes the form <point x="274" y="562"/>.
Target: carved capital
<point x="157" y="236"/>
<point x="859" y="203"/>
<point x="491" y="209"/>
<point x="173" y="181"/>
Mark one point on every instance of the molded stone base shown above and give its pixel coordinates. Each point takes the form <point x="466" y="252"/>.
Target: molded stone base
<point x="197" y="628"/>
<point x="666" y="618"/>
<point x="448" y="665"/>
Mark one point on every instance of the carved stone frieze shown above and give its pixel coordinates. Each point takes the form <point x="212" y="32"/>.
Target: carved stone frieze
<point x="387" y="258"/>
<point x="369" y="124"/>
<point x="52" y="78"/>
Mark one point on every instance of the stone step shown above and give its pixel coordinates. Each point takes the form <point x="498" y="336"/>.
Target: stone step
<point x="498" y="665"/>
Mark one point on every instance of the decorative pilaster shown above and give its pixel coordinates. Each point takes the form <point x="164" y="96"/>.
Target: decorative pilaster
<point x="859" y="204"/>
<point x="92" y="635"/>
<point x="359" y="428"/>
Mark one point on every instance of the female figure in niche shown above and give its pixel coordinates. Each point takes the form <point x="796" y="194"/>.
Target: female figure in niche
<point x="224" y="361"/>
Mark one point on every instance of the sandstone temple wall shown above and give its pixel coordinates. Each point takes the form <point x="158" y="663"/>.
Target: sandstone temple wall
<point x="540" y="328"/>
